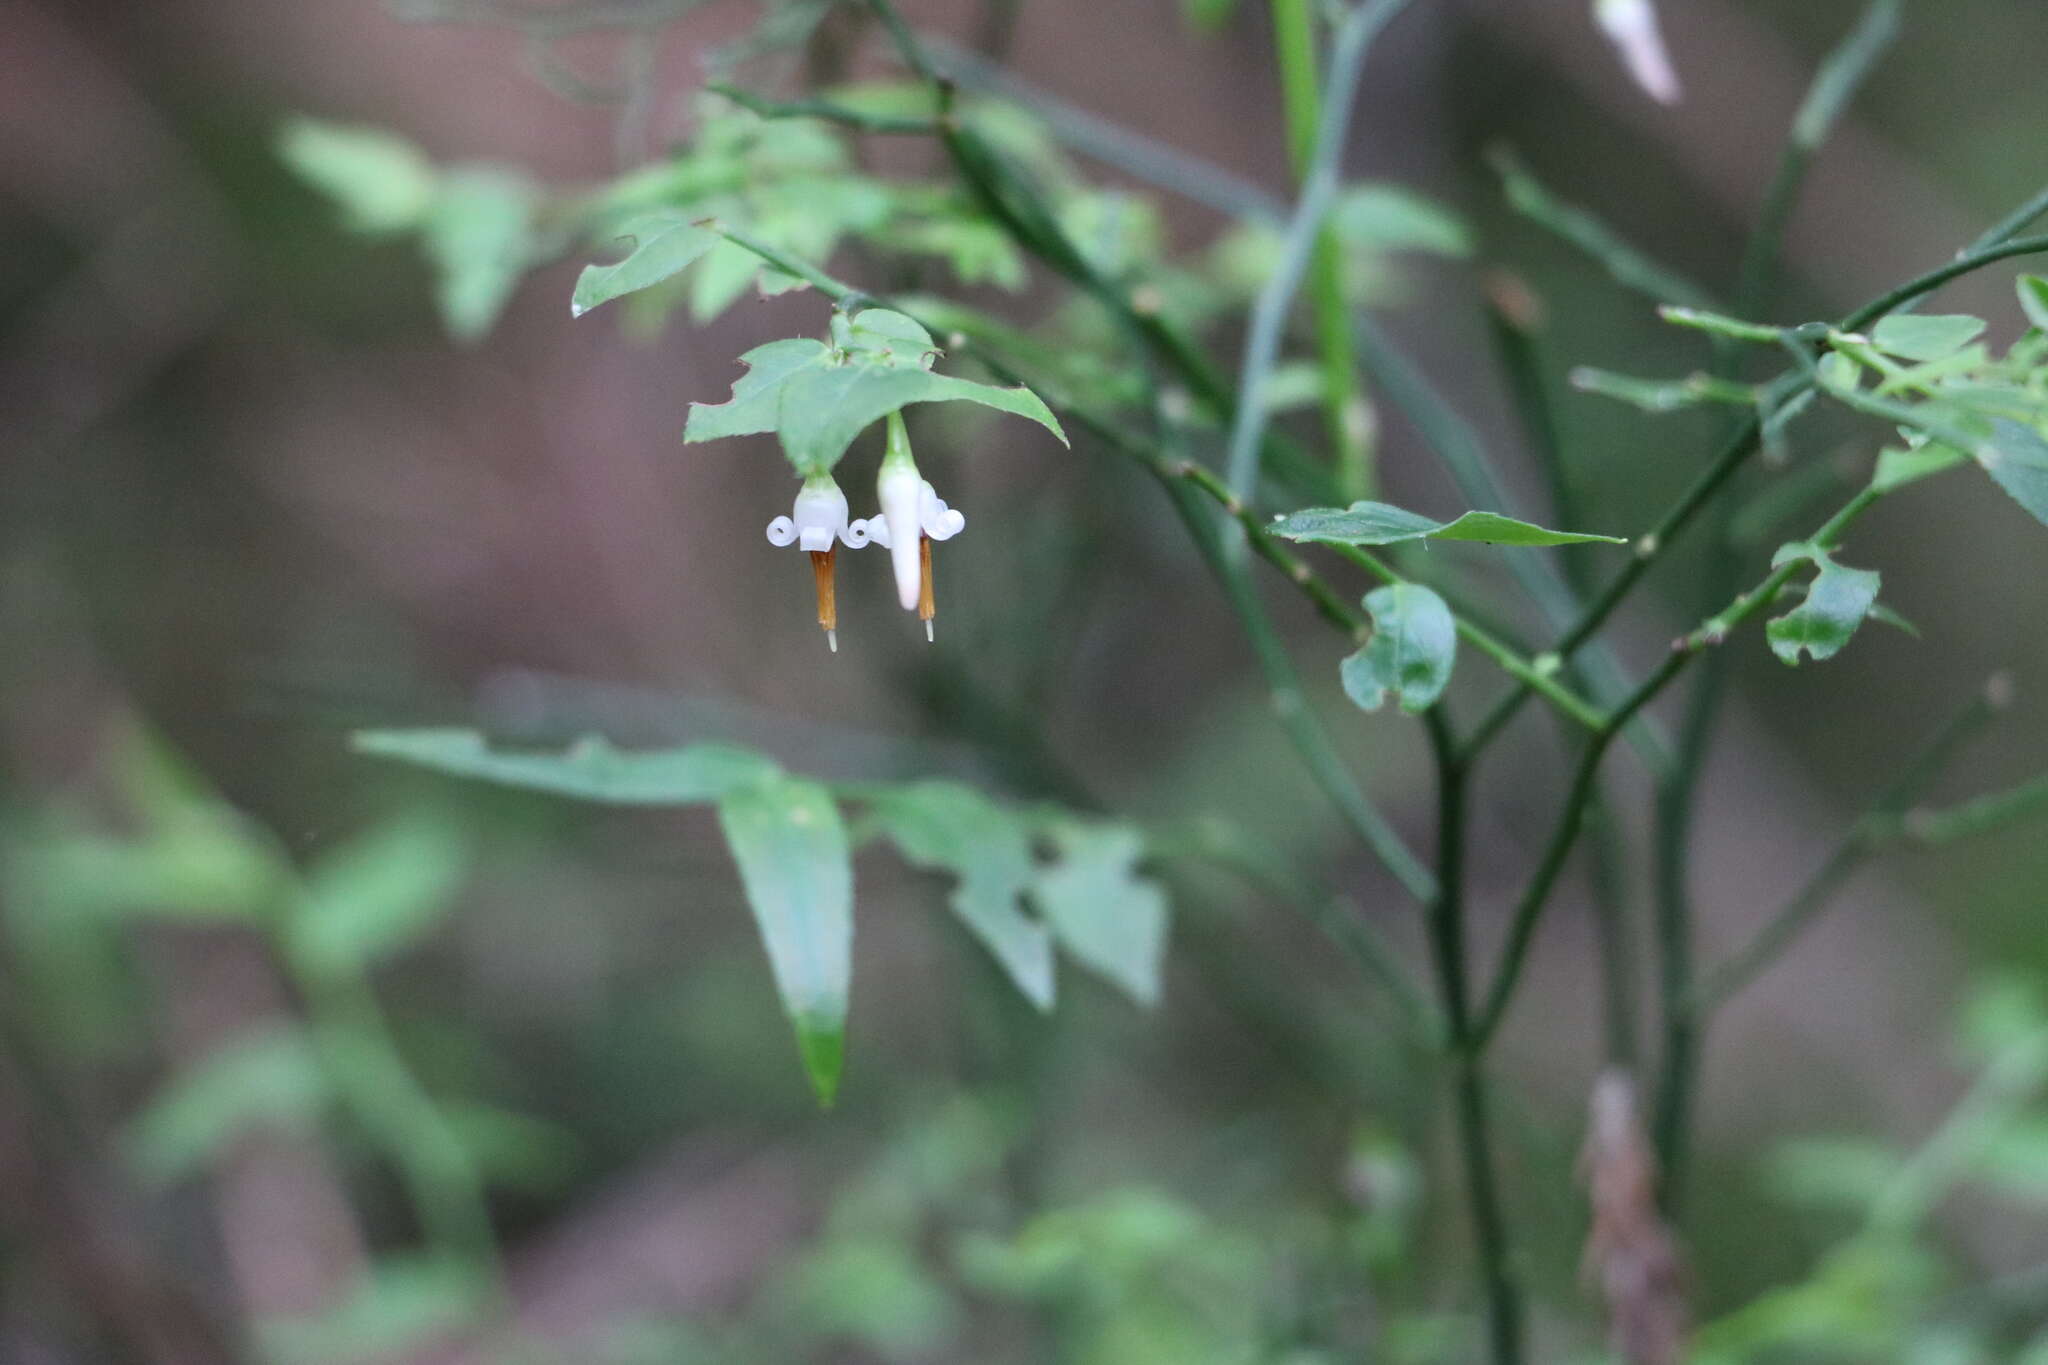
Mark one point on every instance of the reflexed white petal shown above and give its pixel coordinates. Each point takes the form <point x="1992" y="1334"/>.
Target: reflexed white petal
<point x="781" y="531"/>
<point x="1632" y="27"/>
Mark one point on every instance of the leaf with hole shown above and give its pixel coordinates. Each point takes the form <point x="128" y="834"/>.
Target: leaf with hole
<point x="1111" y="919"/>
<point x="1413" y="647"/>
<point x="954" y="828"/>
<point x="1836" y="603"/>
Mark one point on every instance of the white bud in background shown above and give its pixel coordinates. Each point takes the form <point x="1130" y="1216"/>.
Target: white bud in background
<point x="1631" y="25"/>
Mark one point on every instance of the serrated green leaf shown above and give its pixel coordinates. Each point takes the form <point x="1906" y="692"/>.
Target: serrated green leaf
<point x="1380" y="523"/>
<point x="786" y="835"/>
<point x="1836" y="603"/>
<point x="272" y="1079"/>
<point x="2016" y="458"/>
<point x="382" y="182"/>
<point x="1925" y="336"/>
<point x="954" y="828"/>
<point x="1112" y="920"/>
<point x="479" y="235"/>
<point x="1383" y="217"/>
<point x="591" y="769"/>
<point x="817" y="397"/>
<point x="2033" y="292"/>
<point x="378" y="894"/>
<point x="663" y="245"/>
<point x="1413" y="646"/>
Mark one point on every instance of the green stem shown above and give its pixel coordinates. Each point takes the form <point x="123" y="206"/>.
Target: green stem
<point x="1473" y="1122"/>
<point x="1344" y="407"/>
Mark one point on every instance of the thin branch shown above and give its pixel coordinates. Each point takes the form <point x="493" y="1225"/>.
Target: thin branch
<point x="860" y="120"/>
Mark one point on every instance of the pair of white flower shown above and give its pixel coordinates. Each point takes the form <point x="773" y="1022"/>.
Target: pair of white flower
<point x="913" y="516"/>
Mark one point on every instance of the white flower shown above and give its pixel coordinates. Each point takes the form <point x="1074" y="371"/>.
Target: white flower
<point x="1632" y="27"/>
<point x="913" y="516"/>
<point x="816" y="521"/>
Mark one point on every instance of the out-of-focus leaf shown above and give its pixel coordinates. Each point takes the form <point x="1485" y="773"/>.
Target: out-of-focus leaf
<point x="817" y="397"/>
<point x="514" y="1151"/>
<point x="871" y="1292"/>
<point x="1839" y="1172"/>
<point x="786" y="836"/>
<point x="1925" y="336"/>
<point x="979" y="251"/>
<point x="1840" y="373"/>
<point x="2033" y="292"/>
<point x="1662" y="395"/>
<point x="663" y="245"/>
<point x="1380" y="523"/>
<point x="2016" y="1158"/>
<point x="399" y="1304"/>
<point x="1207" y="16"/>
<point x="1112" y="920"/>
<point x="271" y="1079"/>
<point x="382" y="182"/>
<point x="1836" y="603"/>
<point x="1413" y="646"/>
<point x="953" y="827"/>
<point x="2016" y="458"/>
<point x="377" y="894"/>
<point x="479" y="235"/>
<point x="590" y="769"/>
<point x="1896" y="468"/>
<point x="1381" y="217"/>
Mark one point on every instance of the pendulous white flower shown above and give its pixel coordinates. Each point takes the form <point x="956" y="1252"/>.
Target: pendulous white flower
<point x="1631" y="25"/>
<point x="913" y="516"/>
<point x="816" y="521"/>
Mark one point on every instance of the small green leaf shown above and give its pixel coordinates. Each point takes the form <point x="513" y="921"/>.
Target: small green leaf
<point x="663" y="245"/>
<point x="1383" y="217"/>
<point x="1380" y="523"/>
<point x="817" y="397"/>
<point x="2033" y="291"/>
<point x="1836" y="603"/>
<point x="1207" y="16"/>
<point x="377" y="894"/>
<point x="1413" y="646"/>
<point x="271" y="1079"/>
<point x="794" y="861"/>
<point x="1839" y="373"/>
<point x="954" y="828"/>
<point x="1662" y="395"/>
<point x="1112" y="920"/>
<point x="479" y="235"/>
<point x="2016" y="458"/>
<point x="382" y="182"/>
<point x="1896" y="468"/>
<point x="590" y="769"/>
<point x="400" y="1304"/>
<point x="1925" y="336"/>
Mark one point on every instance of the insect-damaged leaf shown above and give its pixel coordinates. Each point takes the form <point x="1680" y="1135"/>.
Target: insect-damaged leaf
<point x="1414" y="643"/>
<point x="1836" y="603"/>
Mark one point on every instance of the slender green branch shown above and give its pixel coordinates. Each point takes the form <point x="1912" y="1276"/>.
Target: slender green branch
<point x="1345" y="414"/>
<point x="1447" y="946"/>
<point x="1304" y="229"/>
<point x="1979" y="816"/>
<point x="1883" y="823"/>
<point x="1626" y="265"/>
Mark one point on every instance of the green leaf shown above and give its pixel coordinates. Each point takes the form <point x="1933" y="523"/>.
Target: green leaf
<point x="1383" y="217"/>
<point x="377" y="894"/>
<point x="272" y="1079"/>
<point x="590" y="769"/>
<point x="1414" y="643"/>
<point x="479" y="235"/>
<point x="1112" y="920"/>
<point x="382" y="182"/>
<point x="2033" y="291"/>
<point x="663" y="245"/>
<point x="1925" y="336"/>
<point x="954" y="828"/>
<point x="1207" y="16"/>
<point x="786" y="836"/>
<point x="2016" y="458"/>
<point x="1380" y="523"/>
<point x="817" y="397"/>
<point x="1896" y="468"/>
<point x="1662" y="395"/>
<point x="401" y="1303"/>
<point x="1836" y="603"/>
